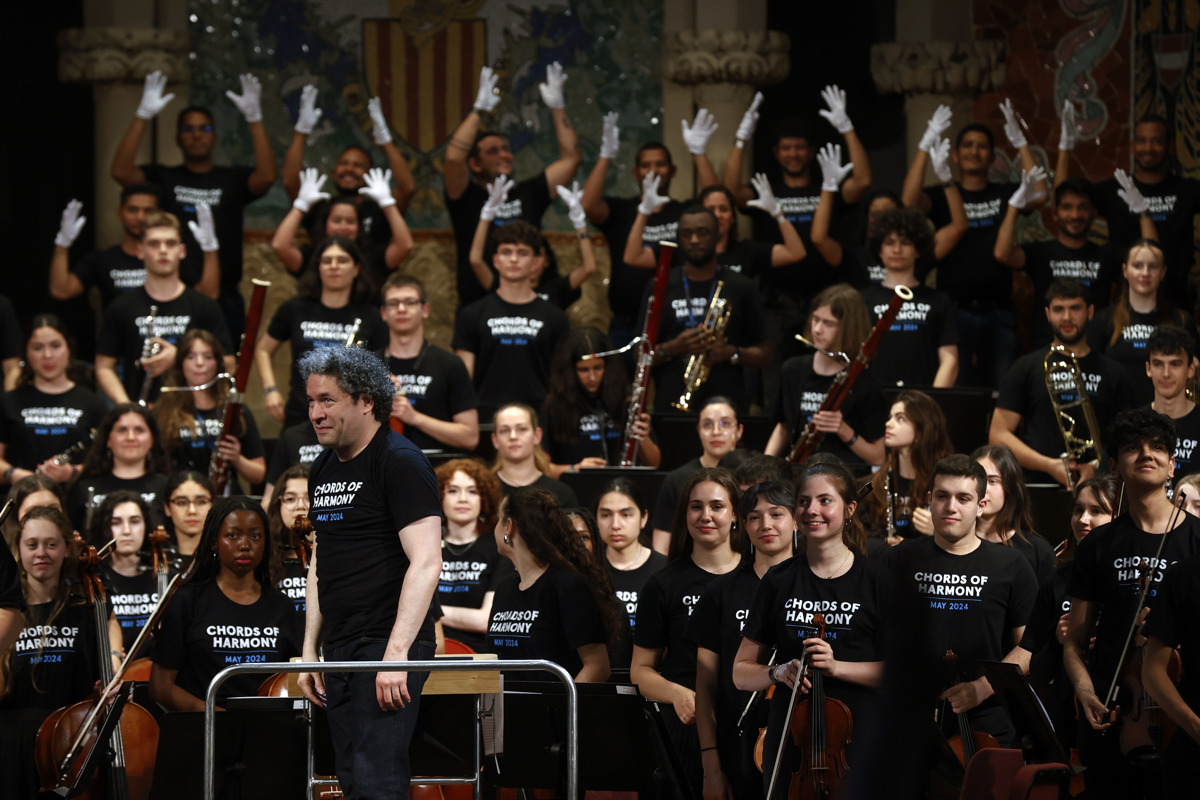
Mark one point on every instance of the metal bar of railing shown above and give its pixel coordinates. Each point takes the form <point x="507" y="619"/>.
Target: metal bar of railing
<point x="440" y="665"/>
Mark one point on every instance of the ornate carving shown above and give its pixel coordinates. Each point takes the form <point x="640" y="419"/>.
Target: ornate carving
<point x="938" y="67"/>
<point x="757" y="58"/>
<point x="89" y="55"/>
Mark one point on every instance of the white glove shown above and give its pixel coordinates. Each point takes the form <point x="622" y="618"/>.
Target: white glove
<point x="379" y="126"/>
<point x="497" y="195"/>
<point x="610" y="137"/>
<point x="552" y="89"/>
<point x="573" y="197"/>
<point x="835" y="98"/>
<point x="486" y="99"/>
<point x="1129" y="192"/>
<point x="378" y="186"/>
<point x="1012" y="126"/>
<point x="249" y="102"/>
<point x="309" y="115"/>
<point x="696" y="137"/>
<point x="71" y="225"/>
<point x="766" y="199"/>
<point x="651" y="199"/>
<point x="745" y="131"/>
<point x="939" y="156"/>
<point x="310" y="190"/>
<point x="829" y="158"/>
<point x="1066" y="139"/>
<point x="153" y="99"/>
<point x="1027" y="193"/>
<point x="204" y="229"/>
<point x="938" y="124"/>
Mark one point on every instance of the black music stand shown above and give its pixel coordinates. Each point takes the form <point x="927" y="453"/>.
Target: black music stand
<point x="679" y="443"/>
<point x="968" y="412"/>
<point x="1051" y="506"/>
<point x="1035" y="732"/>
<point x="587" y="483"/>
<point x="261" y="751"/>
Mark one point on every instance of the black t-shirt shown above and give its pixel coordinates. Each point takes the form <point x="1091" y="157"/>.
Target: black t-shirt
<point x="745" y="329"/>
<point x="628" y="585"/>
<point x="436" y="383"/>
<point x="308" y="324"/>
<point x="1106" y="570"/>
<point x="513" y="344"/>
<point x="627" y="284"/>
<point x="801" y="393"/>
<point x="908" y="353"/>
<point x="197" y="442"/>
<point x="1174" y="203"/>
<point x="664" y="608"/>
<point x="296" y="445"/>
<point x="528" y="200"/>
<point x="749" y="258"/>
<point x="1038" y="553"/>
<point x="563" y="493"/>
<point x="550" y="620"/>
<point x="1023" y="390"/>
<point x="125" y="328"/>
<point x="293" y="586"/>
<point x="152" y="488"/>
<point x="113" y="271"/>
<point x="1187" y="429"/>
<point x="131" y="599"/>
<point x="35" y="425"/>
<point x="54" y="664"/>
<point x="226" y="190"/>
<point x="600" y="435"/>
<point x="1130" y="348"/>
<point x="360" y="506"/>
<point x="668" y="494"/>
<point x="1093" y="265"/>
<point x="806" y="278"/>
<point x="969" y="272"/>
<point x="1046" y="671"/>
<point x="203" y="632"/>
<point x="469" y="572"/>
<point x="1173" y="621"/>
<point x="556" y="290"/>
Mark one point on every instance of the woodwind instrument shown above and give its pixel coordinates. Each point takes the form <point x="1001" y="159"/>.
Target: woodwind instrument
<point x="1069" y="396"/>
<point x="149" y="348"/>
<point x="353" y="332"/>
<point x="716" y="318"/>
<point x="810" y="438"/>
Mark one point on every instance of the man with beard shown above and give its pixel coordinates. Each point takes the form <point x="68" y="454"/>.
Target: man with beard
<point x="681" y="333"/>
<point x="1025" y="400"/>
<point x="198" y="180"/>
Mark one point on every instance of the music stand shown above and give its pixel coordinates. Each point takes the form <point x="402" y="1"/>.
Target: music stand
<point x="587" y="483"/>
<point x="1035" y="732"/>
<point x="968" y="412"/>
<point x="1051" y="506"/>
<point x="679" y="443"/>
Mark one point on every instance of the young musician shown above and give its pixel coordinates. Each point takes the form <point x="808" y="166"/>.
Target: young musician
<point x="520" y="459"/>
<point x="1104" y="592"/>
<point x="187" y="499"/>
<point x="288" y="503"/>
<point x="1171" y="365"/>
<point x="128" y="578"/>
<point x="1005" y="516"/>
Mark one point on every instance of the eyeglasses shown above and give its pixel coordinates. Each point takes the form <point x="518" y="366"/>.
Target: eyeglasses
<point x="183" y="502"/>
<point x="407" y="302"/>
<point x="195" y="128"/>
<point x="721" y="424"/>
<point x="290" y="500"/>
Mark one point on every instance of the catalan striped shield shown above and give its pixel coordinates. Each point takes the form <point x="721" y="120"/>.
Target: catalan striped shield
<point x="427" y="85"/>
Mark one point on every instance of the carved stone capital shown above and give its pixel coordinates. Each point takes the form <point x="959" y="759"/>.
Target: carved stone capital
<point x="88" y="55"/>
<point x="756" y="58"/>
<point x="938" y="67"/>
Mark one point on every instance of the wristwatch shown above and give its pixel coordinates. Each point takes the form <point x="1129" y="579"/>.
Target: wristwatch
<point x="736" y="358"/>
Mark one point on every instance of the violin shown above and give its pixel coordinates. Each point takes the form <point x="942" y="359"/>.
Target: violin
<point x="72" y="741"/>
<point x="966" y="742"/>
<point x="283" y="684"/>
<point x="139" y="670"/>
<point x="762" y="732"/>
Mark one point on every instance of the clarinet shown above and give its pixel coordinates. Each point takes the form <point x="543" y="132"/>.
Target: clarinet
<point x="890" y="499"/>
<point x="149" y="348"/>
<point x="218" y="468"/>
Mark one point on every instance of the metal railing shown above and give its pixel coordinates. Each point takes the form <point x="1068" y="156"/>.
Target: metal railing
<point x="440" y="665"/>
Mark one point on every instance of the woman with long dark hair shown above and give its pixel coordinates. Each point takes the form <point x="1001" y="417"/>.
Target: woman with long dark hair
<point x="331" y="295"/>
<point x="186" y="502"/>
<point x="30" y="492"/>
<point x="286" y="504"/>
<point x="227" y="612"/>
<point x="128" y="578"/>
<point x="1006" y="516"/>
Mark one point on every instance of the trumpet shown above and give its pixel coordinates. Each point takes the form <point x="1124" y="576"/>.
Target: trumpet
<point x="715" y="321"/>
<point x="1069" y="396"/>
<point x="149" y="348"/>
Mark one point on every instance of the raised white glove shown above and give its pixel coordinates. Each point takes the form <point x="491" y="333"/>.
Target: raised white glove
<point x="379" y="126"/>
<point x="204" y="229"/>
<point x="610" y="137"/>
<point x="486" y="99"/>
<point x="1066" y="139"/>
<point x="835" y="98"/>
<point x="552" y="89"/>
<point x="497" y="195"/>
<point x="71" y="224"/>
<point x="829" y="158"/>
<point x="696" y="137"/>
<point x="651" y="199"/>
<point x="939" y="156"/>
<point x="309" y="115"/>
<point x="153" y="99"/>
<point x="573" y="197"/>
<point x="745" y="131"/>
<point x="1027" y="193"/>
<point x="1012" y="125"/>
<point x="249" y="102"/>
<point x="766" y="199"/>
<point x="378" y="186"/>
<point x="938" y="124"/>
<point x="310" y="190"/>
<point x="1130" y="193"/>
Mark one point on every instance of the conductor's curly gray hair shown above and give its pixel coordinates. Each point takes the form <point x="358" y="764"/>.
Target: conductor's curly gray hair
<point x="359" y="373"/>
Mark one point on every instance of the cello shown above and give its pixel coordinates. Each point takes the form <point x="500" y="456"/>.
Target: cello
<point x="966" y="742"/>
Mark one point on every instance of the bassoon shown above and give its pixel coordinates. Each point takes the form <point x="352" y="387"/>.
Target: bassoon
<point x="810" y="438"/>
<point x="218" y="468"/>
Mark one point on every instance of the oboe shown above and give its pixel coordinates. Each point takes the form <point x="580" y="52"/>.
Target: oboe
<point x="150" y="348"/>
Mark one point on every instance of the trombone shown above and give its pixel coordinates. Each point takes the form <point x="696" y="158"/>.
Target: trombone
<point x="1072" y="409"/>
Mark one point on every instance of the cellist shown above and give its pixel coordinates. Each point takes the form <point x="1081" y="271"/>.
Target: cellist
<point x="1104" y="591"/>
